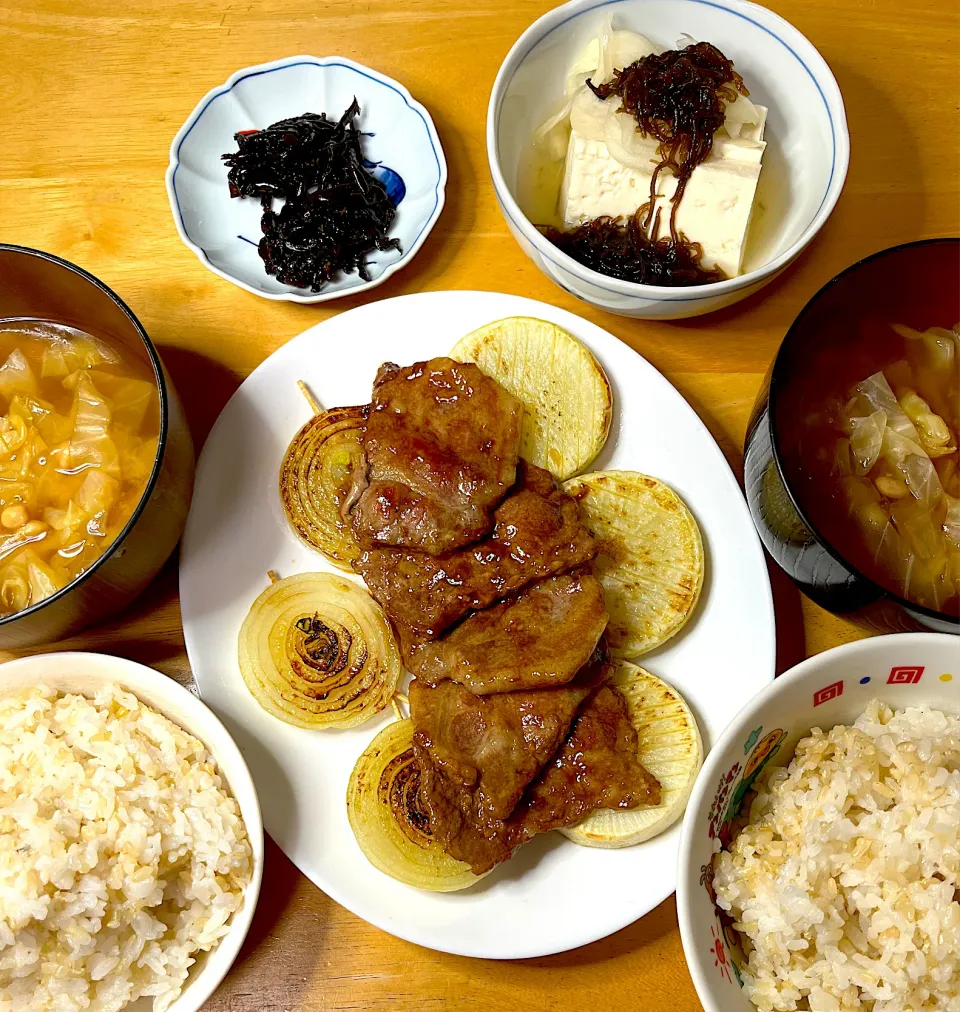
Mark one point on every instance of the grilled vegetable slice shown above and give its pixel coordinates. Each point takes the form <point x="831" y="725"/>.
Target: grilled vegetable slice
<point x="317" y="478"/>
<point x="670" y="747"/>
<point x="316" y="652"/>
<point x="568" y="403"/>
<point x="391" y="823"/>
<point x="651" y="556"/>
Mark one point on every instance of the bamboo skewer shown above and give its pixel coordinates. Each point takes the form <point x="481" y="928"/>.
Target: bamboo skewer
<point x="395" y="700"/>
<point x="311" y="400"/>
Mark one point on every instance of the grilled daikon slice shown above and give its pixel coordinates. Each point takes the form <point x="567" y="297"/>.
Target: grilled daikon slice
<point x="651" y="557"/>
<point x="669" y="747"/>
<point x="567" y="400"/>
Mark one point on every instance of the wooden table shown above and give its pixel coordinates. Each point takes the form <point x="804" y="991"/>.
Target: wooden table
<point x="92" y="94"/>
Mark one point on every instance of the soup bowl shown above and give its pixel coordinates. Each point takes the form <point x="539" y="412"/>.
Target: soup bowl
<point x="839" y="337"/>
<point x="834" y="687"/>
<point x="804" y="165"/>
<point x="38" y="286"/>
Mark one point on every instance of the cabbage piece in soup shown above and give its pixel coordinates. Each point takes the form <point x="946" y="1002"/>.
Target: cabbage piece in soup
<point x="79" y="424"/>
<point x="885" y="471"/>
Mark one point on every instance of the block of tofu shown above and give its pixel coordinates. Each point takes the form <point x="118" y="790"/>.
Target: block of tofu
<point x="715" y="209"/>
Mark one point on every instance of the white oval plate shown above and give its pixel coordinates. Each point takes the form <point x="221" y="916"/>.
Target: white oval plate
<point x="224" y="231"/>
<point x="553" y="895"/>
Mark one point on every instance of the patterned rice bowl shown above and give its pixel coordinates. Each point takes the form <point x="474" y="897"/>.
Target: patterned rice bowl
<point x="835" y="687"/>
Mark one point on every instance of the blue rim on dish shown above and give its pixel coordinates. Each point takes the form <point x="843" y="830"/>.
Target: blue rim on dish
<point x="838" y="159"/>
<point x="295" y="295"/>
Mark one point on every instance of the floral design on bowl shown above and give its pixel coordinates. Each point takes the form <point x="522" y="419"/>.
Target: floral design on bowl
<point x="834" y="687"/>
<point x="401" y="144"/>
<point x="731" y="803"/>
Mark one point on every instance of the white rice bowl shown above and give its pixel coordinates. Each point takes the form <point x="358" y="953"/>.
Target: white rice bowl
<point x="844" y="883"/>
<point x="122" y="853"/>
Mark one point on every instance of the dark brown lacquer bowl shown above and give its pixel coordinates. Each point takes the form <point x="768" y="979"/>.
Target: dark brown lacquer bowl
<point x="842" y="336"/>
<point x="36" y="285"/>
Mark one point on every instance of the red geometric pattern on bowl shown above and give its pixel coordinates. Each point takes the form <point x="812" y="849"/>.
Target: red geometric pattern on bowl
<point x="730" y="799"/>
<point x="827" y="693"/>
<point x="905" y="675"/>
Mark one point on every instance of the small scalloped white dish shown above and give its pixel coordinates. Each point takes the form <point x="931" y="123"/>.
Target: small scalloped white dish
<point x="224" y="231"/>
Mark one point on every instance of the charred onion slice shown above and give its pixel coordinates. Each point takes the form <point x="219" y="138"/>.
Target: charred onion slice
<point x="316" y="651"/>
<point x="317" y="480"/>
<point x="389" y="820"/>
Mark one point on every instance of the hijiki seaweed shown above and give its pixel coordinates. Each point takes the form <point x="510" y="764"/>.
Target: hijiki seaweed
<point x="678" y="97"/>
<point x="335" y="211"/>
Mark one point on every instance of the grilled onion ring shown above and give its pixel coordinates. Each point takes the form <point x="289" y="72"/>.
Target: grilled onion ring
<point x="316" y="651"/>
<point x="317" y="480"/>
<point x="390" y="822"/>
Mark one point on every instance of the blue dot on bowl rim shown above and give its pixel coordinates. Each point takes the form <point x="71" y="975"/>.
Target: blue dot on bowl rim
<point x="864" y="680"/>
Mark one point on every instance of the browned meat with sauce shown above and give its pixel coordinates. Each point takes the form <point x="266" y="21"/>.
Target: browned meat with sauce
<point x="537" y="534"/>
<point x="482" y="843"/>
<point x="595" y="767"/>
<point x="441" y="446"/>
<point x="491" y="747"/>
<point x="541" y="637"/>
<point x="514" y="731"/>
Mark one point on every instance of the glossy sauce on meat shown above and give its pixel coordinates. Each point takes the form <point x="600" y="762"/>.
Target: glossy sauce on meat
<point x="491" y="747"/>
<point x="514" y="731"/>
<point x="441" y="446"/>
<point x="537" y="534"/>
<point x="595" y="767"/>
<point x="477" y="755"/>
<point x="539" y="638"/>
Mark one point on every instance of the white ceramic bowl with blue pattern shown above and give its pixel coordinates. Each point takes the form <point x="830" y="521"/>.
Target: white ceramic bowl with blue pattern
<point x="804" y="165"/>
<point x="224" y="231"/>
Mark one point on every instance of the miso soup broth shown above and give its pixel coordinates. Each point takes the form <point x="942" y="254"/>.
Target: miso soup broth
<point x="79" y="424"/>
<point x="869" y="448"/>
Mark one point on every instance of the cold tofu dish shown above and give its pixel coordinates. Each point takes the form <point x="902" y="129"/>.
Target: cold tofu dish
<point x="649" y="172"/>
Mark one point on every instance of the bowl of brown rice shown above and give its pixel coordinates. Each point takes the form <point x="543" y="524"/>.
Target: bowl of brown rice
<point x="131" y="843"/>
<point x="820" y="855"/>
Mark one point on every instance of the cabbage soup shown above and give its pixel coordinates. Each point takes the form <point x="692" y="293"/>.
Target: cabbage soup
<point x="79" y="425"/>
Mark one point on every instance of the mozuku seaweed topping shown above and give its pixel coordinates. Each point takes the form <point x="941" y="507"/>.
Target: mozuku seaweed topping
<point x="335" y="211"/>
<point x="624" y="250"/>
<point x="680" y="98"/>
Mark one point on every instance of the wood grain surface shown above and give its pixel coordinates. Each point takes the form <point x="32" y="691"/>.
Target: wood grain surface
<point x="92" y="94"/>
